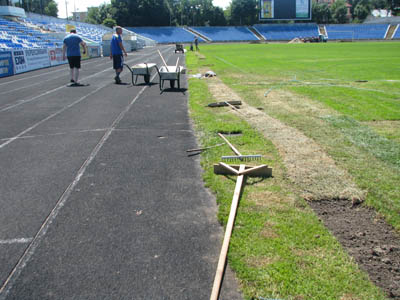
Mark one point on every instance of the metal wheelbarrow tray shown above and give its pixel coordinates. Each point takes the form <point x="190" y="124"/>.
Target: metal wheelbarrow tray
<point x="143" y="69"/>
<point x="171" y="73"/>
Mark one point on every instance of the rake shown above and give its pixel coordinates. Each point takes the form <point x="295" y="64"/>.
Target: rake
<point x="238" y="155"/>
<point x="240" y="171"/>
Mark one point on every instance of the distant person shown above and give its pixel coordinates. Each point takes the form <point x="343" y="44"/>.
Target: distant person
<point x="196" y="43"/>
<point x="116" y="53"/>
<point x="71" y="45"/>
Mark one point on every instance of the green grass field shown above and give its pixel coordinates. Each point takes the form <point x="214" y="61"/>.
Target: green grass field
<point x="343" y="96"/>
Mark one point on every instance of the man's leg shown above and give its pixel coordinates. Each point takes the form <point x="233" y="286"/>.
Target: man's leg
<point x="71" y="71"/>
<point x="117" y="73"/>
<point x="76" y="74"/>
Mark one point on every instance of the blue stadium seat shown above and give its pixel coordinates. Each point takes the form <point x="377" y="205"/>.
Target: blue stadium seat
<point x="227" y="33"/>
<point x="287" y="32"/>
<point x="165" y="35"/>
<point x="356" y="31"/>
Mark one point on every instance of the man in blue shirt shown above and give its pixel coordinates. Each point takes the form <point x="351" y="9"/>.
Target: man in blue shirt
<point x="71" y="45"/>
<point x="116" y="53"/>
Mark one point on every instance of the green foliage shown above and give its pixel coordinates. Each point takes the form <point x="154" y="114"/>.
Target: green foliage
<point x="361" y="12"/>
<point x="243" y="12"/>
<point x="51" y="9"/>
<point x="339" y="11"/>
<point x="109" y="22"/>
<point x="166" y="13"/>
<point x="47" y="7"/>
<point x="321" y="13"/>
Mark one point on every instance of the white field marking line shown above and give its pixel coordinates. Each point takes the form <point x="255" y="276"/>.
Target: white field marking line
<point x="38" y="75"/>
<point x="15" y="273"/>
<point x="231" y="64"/>
<point x="58" y="133"/>
<point x="40" y="82"/>
<point x="20" y="102"/>
<point x="10" y="140"/>
<point x="16" y="241"/>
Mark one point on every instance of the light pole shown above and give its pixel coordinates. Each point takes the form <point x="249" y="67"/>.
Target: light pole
<point x="66" y="10"/>
<point x="195" y="7"/>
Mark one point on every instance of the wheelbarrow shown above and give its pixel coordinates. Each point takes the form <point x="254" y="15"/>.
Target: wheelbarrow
<point x="179" y="48"/>
<point x="144" y="69"/>
<point x="172" y="74"/>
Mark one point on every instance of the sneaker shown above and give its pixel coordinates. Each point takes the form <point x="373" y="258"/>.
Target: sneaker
<point x="117" y="80"/>
<point x="72" y="81"/>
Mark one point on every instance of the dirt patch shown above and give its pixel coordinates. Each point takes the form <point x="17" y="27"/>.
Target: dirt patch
<point x="372" y="243"/>
<point x="308" y="166"/>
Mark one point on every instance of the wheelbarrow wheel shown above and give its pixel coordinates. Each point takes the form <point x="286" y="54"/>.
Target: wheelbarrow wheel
<point x="147" y="79"/>
<point x="172" y="83"/>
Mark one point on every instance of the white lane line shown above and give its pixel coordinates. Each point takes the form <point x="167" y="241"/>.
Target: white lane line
<point x="15" y="273"/>
<point x="20" y="102"/>
<point x="41" y="74"/>
<point x="57" y="133"/>
<point x="16" y="241"/>
<point x="41" y="82"/>
<point x="12" y="139"/>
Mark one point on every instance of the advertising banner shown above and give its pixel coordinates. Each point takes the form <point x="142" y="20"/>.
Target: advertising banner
<point x="55" y="55"/>
<point x="19" y="61"/>
<point x="84" y="56"/>
<point x="94" y="51"/>
<point x="6" y="64"/>
<point x="69" y="27"/>
<point x="30" y="59"/>
<point x="267" y="9"/>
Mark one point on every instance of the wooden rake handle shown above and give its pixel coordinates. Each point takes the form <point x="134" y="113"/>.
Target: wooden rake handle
<point x="230" y="145"/>
<point x="162" y="58"/>
<point x="227" y="237"/>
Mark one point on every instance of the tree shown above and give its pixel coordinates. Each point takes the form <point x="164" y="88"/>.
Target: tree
<point x="321" y="13"/>
<point x="243" y="12"/>
<point x="339" y="12"/>
<point x="361" y="12"/>
<point x="51" y="9"/>
<point x="109" y="22"/>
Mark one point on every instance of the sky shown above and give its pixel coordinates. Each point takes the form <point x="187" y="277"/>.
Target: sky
<point x="82" y="5"/>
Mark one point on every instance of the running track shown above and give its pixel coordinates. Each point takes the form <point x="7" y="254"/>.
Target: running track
<point x="98" y="197"/>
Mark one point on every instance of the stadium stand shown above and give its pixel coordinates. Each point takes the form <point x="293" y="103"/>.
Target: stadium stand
<point x="88" y="31"/>
<point x="14" y="35"/>
<point x="287" y="32"/>
<point x="356" y="31"/>
<point x="226" y="33"/>
<point x="396" y="34"/>
<point x="165" y="35"/>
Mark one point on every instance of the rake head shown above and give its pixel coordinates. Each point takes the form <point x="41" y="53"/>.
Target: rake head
<point x="242" y="157"/>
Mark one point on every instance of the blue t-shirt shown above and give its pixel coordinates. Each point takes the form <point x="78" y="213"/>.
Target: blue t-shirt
<point x="115" y="48"/>
<point x="72" y="41"/>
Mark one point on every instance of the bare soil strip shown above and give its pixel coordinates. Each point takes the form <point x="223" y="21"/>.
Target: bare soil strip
<point x="308" y="166"/>
<point x="373" y="244"/>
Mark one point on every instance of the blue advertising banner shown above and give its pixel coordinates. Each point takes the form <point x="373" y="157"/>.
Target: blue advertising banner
<point x="6" y="64"/>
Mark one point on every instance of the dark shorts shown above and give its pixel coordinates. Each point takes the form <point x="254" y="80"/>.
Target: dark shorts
<point x="74" y="62"/>
<point x="118" y="61"/>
